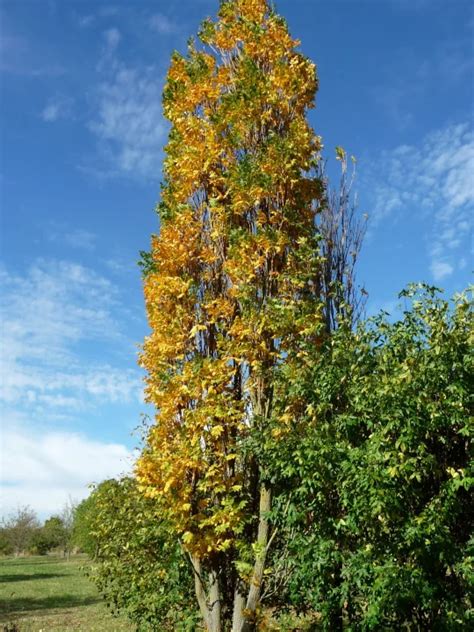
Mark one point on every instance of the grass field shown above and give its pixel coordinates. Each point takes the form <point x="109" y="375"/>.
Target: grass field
<point x="50" y="594"/>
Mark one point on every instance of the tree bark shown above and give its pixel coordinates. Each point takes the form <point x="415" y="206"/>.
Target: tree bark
<point x="238" y="612"/>
<point x="245" y="617"/>
<point x="200" y="591"/>
<point x="214" y="605"/>
<point x="210" y="608"/>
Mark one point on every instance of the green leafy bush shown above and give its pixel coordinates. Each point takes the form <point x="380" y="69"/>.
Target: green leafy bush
<point x="374" y="507"/>
<point x="137" y="567"/>
<point x="82" y="526"/>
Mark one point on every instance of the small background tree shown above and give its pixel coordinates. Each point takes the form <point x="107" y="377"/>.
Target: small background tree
<point x="19" y="530"/>
<point x="54" y="532"/>
<point x="67" y="519"/>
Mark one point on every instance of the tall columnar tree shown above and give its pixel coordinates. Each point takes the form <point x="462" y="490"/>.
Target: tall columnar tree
<point x="232" y="291"/>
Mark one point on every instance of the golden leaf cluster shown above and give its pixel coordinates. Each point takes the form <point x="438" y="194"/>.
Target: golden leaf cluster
<point x="229" y="294"/>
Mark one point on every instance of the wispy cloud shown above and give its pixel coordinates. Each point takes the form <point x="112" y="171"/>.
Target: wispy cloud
<point x="162" y="24"/>
<point x="85" y="21"/>
<point x="441" y="269"/>
<point x="81" y="239"/>
<point x="392" y="101"/>
<point x="112" y="39"/>
<point x="435" y="179"/>
<point x="120" y="266"/>
<point x="57" y="107"/>
<point x="48" y="314"/>
<point x="74" y="238"/>
<point x="46" y="470"/>
<point x="64" y="360"/>
<point x="129" y="122"/>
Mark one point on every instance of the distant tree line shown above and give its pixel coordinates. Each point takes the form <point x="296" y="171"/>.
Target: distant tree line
<point x="22" y="533"/>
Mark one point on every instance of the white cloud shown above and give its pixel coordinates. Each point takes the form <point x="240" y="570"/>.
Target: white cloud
<point x="46" y="388"/>
<point x="61" y="362"/>
<point x="58" y="107"/>
<point x="391" y="306"/>
<point x="116" y="265"/>
<point x="55" y="304"/>
<point x="81" y="239"/>
<point x="48" y="315"/>
<point x="434" y="180"/>
<point x="85" y="21"/>
<point x="50" y="112"/>
<point x="107" y="59"/>
<point x="128" y="122"/>
<point x="77" y="238"/>
<point x="162" y="24"/>
<point x="45" y="470"/>
<point x="112" y="39"/>
<point x="441" y="269"/>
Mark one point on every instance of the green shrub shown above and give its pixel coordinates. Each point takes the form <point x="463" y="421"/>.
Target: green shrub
<point x="374" y="505"/>
<point x="138" y="569"/>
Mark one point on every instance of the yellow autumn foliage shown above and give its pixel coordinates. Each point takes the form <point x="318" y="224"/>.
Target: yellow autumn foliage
<point x="228" y="293"/>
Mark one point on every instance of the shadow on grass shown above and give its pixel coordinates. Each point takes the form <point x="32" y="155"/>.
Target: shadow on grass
<point x="23" y="577"/>
<point x="17" y="605"/>
<point x="28" y="562"/>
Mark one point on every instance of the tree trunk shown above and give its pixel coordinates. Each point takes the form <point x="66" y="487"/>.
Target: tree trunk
<point x="243" y="619"/>
<point x="238" y="613"/>
<point x="210" y="608"/>
<point x="200" y="591"/>
<point x="214" y="605"/>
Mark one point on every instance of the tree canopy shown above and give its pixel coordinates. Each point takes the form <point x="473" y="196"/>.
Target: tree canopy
<point x="231" y="289"/>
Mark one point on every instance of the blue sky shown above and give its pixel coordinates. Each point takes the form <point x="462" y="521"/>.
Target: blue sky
<point x="82" y="143"/>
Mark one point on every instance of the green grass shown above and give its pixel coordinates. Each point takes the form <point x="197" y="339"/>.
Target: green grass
<point x="50" y="594"/>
